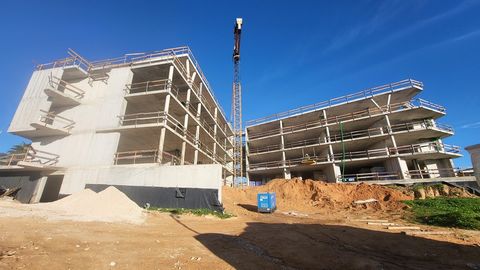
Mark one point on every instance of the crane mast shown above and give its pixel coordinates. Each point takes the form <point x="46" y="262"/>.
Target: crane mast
<point x="237" y="107"/>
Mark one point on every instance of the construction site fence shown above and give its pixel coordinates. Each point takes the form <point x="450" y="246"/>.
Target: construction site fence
<point x="337" y="119"/>
<point x="30" y="155"/>
<point x="370" y="92"/>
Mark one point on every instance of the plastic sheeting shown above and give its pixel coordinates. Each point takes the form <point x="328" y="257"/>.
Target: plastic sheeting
<point x="166" y="197"/>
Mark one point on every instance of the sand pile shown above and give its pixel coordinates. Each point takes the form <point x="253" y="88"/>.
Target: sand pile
<point x="309" y="195"/>
<point x="109" y="205"/>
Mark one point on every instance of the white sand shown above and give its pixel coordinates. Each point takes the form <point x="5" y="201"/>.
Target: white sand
<point x="109" y="205"/>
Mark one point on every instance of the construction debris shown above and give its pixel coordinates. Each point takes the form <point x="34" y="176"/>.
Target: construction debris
<point x="365" y="201"/>
<point x="403" y="228"/>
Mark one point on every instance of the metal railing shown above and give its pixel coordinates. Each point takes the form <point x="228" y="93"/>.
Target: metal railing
<point x="370" y="112"/>
<point x="372" y="176"/>
<point x="353" y="135"/>
<point x="434" y="173"/>
<point x="129" y="59"/>
<point x="387" y="88"/>
<point x="30" y="155"/>
<point x="135" y="119"/>
<point x="55" y="120"/>
<point x="148" y="86"/>
<point x="423" y="148"/>
<point x="146" y="156"/>
<point x="65" y="87"/>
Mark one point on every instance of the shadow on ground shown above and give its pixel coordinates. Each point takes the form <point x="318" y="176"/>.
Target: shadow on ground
<point x="315" y="246"/>
<point x="249" y="207"/>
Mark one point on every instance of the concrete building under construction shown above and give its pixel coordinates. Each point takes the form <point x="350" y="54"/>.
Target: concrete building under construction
<point x="382" y="133"/>
<point x="114" y="122"/>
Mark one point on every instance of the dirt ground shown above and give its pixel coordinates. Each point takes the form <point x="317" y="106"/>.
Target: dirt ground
<point x="291" y="238"/>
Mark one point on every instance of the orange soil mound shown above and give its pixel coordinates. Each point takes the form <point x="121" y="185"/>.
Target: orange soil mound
<point x="309" y="195"/>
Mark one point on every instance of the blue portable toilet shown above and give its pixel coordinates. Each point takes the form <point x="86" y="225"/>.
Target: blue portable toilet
<point x="266" y="202"/>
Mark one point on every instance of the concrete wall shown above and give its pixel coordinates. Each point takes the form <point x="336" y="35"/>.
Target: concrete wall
<point x="100" y="107"/>
<point x="34" y="99"/>
<point x="474" y="151"/>
<point x="208" y="176"/>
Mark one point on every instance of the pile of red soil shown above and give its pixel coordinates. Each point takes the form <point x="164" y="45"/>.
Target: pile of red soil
<point x="309" y="195"/>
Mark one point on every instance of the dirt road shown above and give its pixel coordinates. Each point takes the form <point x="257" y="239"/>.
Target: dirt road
<point x="252" y="241"/>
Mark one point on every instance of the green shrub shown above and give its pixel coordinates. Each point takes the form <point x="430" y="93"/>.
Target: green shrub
<point x="196" y="212"/>
<point x="447" y="212"/>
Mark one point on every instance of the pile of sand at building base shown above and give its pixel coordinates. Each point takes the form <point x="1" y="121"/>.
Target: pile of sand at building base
<point x="309" y="195"/>
<point x="109" y="205"/>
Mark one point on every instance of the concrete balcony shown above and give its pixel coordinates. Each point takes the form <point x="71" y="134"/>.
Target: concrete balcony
<point x="30" y="159"/>
<point x="62" y="93"/>
<point x="431" y="150"/>
<point x="51" y="124"/>
<point x="427" y="110"/>
<point x="421" y="128"/>
<point x="146" y="156"/>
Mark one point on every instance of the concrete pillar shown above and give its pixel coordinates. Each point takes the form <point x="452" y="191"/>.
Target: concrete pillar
<point x="287" y="174"/>
<point x="187" y="100"/>
<point x="474" y="151"/>
<point x="333" y="173"/>
<point x="170" y="77"/>
<point x="331" y="157"/>
<point x="197" y="134"/>
<point x="161" y="142"/>
<point x="192" y="79"/>
<point x="247" y="151"/>
<point x="187" y="65"/>
<point x="398" y="165"/>
<point x="37" y="193"/>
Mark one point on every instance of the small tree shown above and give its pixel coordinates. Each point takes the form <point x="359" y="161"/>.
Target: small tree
<point x="19" y="148"/>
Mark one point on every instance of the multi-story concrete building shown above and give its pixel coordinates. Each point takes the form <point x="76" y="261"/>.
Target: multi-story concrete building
<point x="382" y="133"/>
<point x="114" y="121"/>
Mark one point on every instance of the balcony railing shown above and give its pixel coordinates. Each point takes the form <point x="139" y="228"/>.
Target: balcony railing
<point x="373" y="176"/>
<point x="423" y="148"/>
<point x="65" y="87"/>
<point x="149" y="86"/>
<point x="136" y="119"/>
<point x="434" y="173"/>
<point x="387" y="88"/>
<point x="363" y="114"/>
<point x="353" y="135"/>
<point x="30" y="155"/>
<point x="146" y="156"/>
<point x="56" y="121"/>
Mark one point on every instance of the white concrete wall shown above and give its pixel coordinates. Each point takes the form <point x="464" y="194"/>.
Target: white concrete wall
<point x="34" y="99"/>
<point x="187" y="176"/>
<point x="474" y="151"/>
<point x="101" y="105"/>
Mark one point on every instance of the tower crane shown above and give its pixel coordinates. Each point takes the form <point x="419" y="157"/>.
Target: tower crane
<point x="237" y="107"/>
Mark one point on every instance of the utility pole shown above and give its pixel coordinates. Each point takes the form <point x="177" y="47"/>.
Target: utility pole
<point x="237" y="107"/>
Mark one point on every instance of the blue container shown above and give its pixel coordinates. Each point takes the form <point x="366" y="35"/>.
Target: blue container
<point x="266" y="202"/>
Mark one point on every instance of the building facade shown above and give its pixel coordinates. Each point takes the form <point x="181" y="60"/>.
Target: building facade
<point x="382" y="133"/>
<point x="90" y="120"/>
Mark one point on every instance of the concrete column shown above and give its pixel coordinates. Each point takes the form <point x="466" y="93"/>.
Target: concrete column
<point x="215" y="142"/>
<point x="474" y="151"/>
<point x="187" y="65"/>
<point x="327" y="132"/>
<point x="192" y="79"/>
<point x="333" y="173"/>
<point x="187" y="100"/>
<point x="37" y="193"/>
<point x="170" y="77"/>
<point x="161" y="142"/>
<point x="184" y="143"/>
<point x="247" y="151"/>
<point x="398" y="165"/>
<point x="287" y="174"/>
<point x="197" y="133"/>
<point x="392" y="138"/>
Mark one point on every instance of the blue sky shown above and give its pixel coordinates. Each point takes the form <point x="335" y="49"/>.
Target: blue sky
<point x="293" y="53"/>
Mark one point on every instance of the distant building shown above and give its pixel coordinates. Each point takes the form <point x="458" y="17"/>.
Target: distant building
<point x="382" y="133"/>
